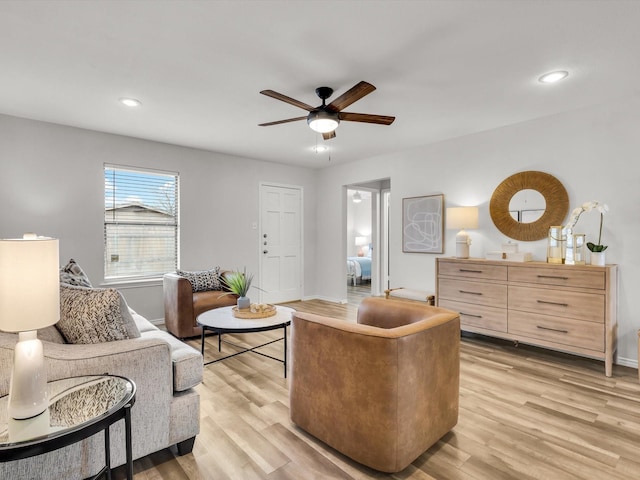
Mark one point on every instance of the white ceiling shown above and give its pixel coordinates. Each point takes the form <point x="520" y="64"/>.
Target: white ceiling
<point x="443" y="68"/>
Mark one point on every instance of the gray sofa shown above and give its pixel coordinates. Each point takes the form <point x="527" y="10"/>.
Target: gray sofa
<point x="166" y="410"/>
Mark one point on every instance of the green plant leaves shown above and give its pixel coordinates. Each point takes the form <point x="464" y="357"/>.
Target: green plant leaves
<point x="596" y="248"/>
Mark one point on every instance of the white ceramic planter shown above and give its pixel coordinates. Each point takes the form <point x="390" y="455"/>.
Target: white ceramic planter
<point x="598" y="258"/>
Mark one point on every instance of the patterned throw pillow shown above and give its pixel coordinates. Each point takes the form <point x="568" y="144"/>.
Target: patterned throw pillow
<point x="94" y="315"/>
<point x="204" y="280"/>
<point x="72" y="274"/>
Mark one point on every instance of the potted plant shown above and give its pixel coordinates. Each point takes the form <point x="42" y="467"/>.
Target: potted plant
<point x="239" y="283"/>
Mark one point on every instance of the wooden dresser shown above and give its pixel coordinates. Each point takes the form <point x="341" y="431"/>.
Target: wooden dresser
<point x="571" y="308"/>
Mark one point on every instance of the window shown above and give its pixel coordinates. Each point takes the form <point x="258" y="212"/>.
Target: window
<point x="140" y="223"/>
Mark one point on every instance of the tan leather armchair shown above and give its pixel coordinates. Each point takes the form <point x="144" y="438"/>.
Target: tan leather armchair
<point x="381" y="391"/>
<point x="182" y="305"/>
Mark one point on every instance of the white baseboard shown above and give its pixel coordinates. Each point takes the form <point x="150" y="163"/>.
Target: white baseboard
<point x="326" y="299"/>
<point x="157" y="321"/>
<point x="627" y="362"/>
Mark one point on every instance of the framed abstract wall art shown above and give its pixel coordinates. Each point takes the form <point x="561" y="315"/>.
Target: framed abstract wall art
<point x="423" y="224"/>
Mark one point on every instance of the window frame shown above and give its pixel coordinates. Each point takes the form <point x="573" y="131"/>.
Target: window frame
<point x="112" y="171"/>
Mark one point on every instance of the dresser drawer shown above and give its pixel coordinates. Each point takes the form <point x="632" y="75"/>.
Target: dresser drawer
<point x="481" y="316"/>
<point x="563" y="331"/>
<point x="491" y="294"/>
<point x="566" y="276"/>
<point x="557" y="302"/>
<point x="473" y="270"/>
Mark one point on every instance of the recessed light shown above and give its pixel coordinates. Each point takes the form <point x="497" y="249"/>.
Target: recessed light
<point x="130" y="102"/>
<point x="320" y="148"/>
<point x="553" y="77"/>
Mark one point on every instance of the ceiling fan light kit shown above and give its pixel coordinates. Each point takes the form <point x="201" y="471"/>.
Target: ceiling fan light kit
<point x="326" y="118"/>
<point x="322" y="121"/>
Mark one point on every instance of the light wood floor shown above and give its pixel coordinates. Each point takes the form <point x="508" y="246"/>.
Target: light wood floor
<point x="525" y="413"/>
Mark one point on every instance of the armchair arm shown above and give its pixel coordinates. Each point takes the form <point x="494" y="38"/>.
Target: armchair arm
<point x="178" y="305"/>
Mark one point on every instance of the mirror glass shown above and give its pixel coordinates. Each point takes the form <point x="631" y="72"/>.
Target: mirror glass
<point x="527" y="206"/>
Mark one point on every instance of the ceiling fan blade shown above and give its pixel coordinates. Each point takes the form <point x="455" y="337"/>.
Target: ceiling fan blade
<point x="354" y="94"/>
<point x="366" y="118"/>
<point x="329" y="135"/>
<point x="278" y="122"/>
<point x="285" y="99"/>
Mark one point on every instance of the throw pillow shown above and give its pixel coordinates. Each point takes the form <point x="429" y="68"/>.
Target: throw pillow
<point x="72" y="274"/>
<point x="94" y="315"/>
<point x="204" y="280"/>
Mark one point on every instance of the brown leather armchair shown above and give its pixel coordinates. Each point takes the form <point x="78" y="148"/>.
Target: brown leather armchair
<point x="381" y="391"/>
<point x="182" y="305"/>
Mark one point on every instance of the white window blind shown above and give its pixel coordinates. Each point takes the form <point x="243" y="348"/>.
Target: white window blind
<point x="141" y="228"/>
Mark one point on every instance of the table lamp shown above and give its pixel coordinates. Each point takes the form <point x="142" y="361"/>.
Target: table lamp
<point x="361" y="242"/>
<point x="29" y="300"/>
<point x="461" y="218"/>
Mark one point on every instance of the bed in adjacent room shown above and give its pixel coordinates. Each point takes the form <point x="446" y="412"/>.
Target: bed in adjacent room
<point x="358" y="269"/>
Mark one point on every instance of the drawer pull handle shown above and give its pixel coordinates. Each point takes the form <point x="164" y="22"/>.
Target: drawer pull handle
<point x="553" y="276"/>
<point x="552" y="329"/>
<point x="470" y="315"/>
<point x="470" y="293"/>
<point x="554" y="303"/>
<point x="470" y="271"/>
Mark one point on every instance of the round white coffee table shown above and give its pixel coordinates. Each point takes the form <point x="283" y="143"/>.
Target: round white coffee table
<point x="221" y="321"/>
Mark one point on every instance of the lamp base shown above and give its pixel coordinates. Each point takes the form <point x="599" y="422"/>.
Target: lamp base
<point x="28" y="390"/>
<point x="462" y="244"/>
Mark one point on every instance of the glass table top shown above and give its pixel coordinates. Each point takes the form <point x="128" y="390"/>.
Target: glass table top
<point x="74" y="403"/>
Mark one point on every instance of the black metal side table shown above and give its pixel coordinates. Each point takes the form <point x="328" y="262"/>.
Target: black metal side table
<point x="78" y="408"/>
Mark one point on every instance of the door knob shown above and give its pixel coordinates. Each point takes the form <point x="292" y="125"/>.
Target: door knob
<point x="265" y="235"/>
<point x="265" y="251"/>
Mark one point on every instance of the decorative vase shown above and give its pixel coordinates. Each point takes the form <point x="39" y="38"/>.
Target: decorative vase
<point x="244" y="303"/>
<point x="598" y="258"/>
<point x="555" y="245"/>
<point x="575" y="252"/>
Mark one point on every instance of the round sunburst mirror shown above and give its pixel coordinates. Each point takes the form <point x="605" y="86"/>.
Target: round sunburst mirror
<point x="554" y="205"/>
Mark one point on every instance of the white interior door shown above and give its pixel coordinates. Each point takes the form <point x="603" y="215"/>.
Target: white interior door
<point x="280" y="243"/>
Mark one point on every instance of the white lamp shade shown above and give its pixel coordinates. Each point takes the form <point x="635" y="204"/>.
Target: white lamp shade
<point x="29" y="283"/>
<point x="462" y="218"/>
<point x="360" y="241"/>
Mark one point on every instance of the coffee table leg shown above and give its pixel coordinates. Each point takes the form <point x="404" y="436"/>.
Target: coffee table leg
<point x="219" y="341"/>
<point x="202" y="347"/>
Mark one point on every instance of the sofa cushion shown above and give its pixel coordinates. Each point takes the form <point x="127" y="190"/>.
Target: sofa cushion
<point x="72" y="274"/>
<point x="203" y="280"/>
<point x="187" y="361"/>
<point x="142" y="323"/>
<point x="50" y="334"/>
<point x="94" y="315"/>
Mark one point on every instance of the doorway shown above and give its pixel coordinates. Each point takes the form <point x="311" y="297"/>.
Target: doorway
<point x="366" y="234"/>
<point x="280" y="243"/>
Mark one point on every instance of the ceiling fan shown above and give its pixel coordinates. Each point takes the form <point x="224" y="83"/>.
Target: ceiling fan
<point x="326" y="118"/>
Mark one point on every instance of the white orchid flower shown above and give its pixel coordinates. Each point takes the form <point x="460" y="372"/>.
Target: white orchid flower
<point x="588" y="206"/>
<point x="602" y="208"/>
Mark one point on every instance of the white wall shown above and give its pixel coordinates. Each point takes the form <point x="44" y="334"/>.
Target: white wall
<point x="51" y="182"/>
<point x="593" y="152"/>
